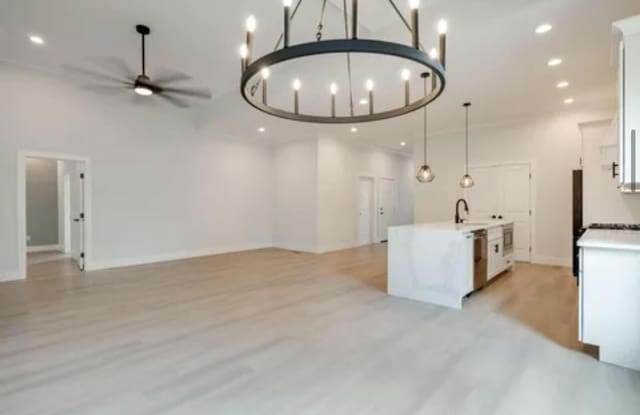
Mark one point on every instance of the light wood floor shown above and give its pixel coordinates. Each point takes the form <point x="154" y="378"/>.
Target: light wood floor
<point x="274" y="332"/>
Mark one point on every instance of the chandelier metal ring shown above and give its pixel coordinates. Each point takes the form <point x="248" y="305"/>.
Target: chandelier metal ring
<point x="338" y="46"/>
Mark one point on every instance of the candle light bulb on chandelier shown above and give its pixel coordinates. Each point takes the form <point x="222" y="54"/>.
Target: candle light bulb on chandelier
<point x="443" y="26"/>
<point x="251" y="24"/>
<point x="297" y="84"/>
<point x="266" y="73"/>
<point x="369" y="85"/>
<point x="287" y="3"/>
<point x="414" y="4"/>
<point x="406" y="74"/>
<point x="334" y="89"/>
<point x="433" y="53"/>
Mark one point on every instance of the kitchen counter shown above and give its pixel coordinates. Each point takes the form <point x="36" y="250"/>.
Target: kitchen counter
<point x="434" y="262"/>
<point x="470" y="226"/>
<point x="611" y="239"/>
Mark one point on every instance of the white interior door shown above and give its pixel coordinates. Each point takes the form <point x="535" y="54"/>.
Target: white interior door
<point x="365" y="212"/>
<point x="483" y="198"/>
<point x="386" y="207"/>
<point x="516" y="206"/>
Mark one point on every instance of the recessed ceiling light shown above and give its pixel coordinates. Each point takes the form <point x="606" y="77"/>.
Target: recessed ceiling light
<point x="569" y="101"/>
<point x="543" y="28"/>
<point x="38" y="40"/>
<point x="403" y="144"/>
<point x="562" y="84"/>
<point x="262" y="129"/>
<point x="364" y="101"/>
<point x="554" y="62"/>
<point x="354" y="130"/>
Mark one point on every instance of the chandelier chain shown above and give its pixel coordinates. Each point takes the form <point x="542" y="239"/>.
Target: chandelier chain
<point x="404" y="20"/>
<point x="349" y="73"/>
<point x="320" y="23"/>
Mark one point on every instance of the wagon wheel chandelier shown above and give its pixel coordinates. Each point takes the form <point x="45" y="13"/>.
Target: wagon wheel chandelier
<point x="257" y="72"/>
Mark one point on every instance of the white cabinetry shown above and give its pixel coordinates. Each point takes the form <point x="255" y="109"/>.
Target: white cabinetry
<point x="609" y="314"/>
<point x="497" y="262"/>
<point x="629" y="96"/>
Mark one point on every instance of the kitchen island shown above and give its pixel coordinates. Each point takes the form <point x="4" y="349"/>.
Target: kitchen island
<point x="437" y="263"/>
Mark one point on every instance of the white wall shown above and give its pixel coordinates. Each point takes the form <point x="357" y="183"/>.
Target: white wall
<point x="161" y="188"/>
<point x="340" y="165"/>
<point x="603" y="202"/>
<point x="296" y="210"/>
<point x="551" y="143"/>
<point x="317" y="191"/>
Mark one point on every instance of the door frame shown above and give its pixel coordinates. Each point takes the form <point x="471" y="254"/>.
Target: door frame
<point x="532" y="196"/>
<point x="373" y="209"/>
<point x="23" y="155"/>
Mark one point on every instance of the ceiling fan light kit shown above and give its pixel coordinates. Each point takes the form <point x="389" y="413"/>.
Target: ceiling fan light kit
<point x="251" y="81"/>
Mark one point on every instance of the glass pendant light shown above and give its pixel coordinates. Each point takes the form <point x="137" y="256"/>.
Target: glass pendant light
<point x="467" y="181"/>
<point x="425" y="174"/>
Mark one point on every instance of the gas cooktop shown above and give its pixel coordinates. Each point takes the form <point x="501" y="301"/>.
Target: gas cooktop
<point x="615" y="227"/>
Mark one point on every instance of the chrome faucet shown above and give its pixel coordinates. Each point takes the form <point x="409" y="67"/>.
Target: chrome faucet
<point x="466" y="209"/>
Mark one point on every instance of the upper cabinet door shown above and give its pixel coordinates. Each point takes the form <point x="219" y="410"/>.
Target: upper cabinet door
<point x="629" y="92"/>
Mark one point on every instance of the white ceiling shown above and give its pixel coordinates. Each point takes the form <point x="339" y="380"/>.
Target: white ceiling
<point x="494" y="58"/>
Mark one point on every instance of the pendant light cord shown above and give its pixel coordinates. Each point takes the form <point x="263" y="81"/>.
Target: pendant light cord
<point x="425" y="124"/>
<point x="466" y="139"/>
<point x="349" y="73"/>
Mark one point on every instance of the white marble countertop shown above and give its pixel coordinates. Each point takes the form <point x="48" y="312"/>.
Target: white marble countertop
<point x="611" y="239"/>
<point x="470" y="226"/>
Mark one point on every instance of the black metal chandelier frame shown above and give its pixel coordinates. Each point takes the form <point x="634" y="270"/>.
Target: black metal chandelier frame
<point x="252" y="81"/>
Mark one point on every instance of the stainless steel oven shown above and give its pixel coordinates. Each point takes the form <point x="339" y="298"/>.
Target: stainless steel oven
<point x="508" y="239"/>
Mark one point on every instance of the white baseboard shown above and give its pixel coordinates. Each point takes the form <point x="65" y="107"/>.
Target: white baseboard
<point x="554" y="261"/>
<point x="44" y="248"/>
<point x="295" y="247"/>
<point x="9" y="276"/>
<point x="340" y="246"/>
<point x="175" y="256"/>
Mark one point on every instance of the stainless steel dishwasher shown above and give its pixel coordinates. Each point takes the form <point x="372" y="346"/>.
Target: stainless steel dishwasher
<point x="480" y="254"/>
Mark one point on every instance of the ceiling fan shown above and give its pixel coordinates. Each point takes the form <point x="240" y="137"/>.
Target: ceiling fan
<point x="143" y="85"/>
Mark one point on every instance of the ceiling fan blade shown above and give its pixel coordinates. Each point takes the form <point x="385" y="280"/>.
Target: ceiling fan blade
<point x="168" y="76"/>
<point x="202" y="93"/>
<point x="173" y="100"/>
<point x="94" y="74"/>
<point x="107" y="89"/>
<point x="118" y="65"/>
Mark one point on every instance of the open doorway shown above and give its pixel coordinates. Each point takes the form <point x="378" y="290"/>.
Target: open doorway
<point x="52" y="214"/>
